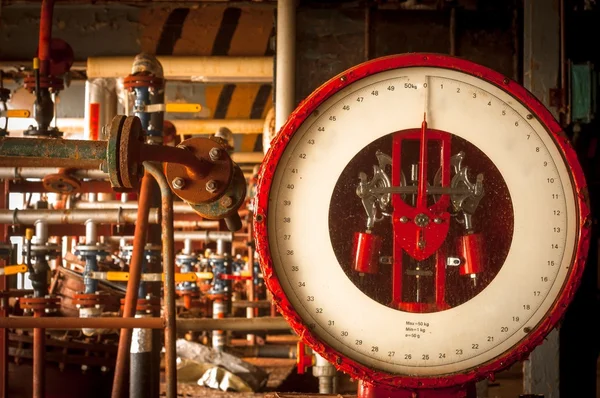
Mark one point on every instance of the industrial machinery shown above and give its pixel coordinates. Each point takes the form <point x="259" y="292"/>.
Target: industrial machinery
<point x="422" y="223"/>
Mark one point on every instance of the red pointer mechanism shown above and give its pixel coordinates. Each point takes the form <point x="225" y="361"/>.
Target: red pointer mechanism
<point x="420" y="230"/>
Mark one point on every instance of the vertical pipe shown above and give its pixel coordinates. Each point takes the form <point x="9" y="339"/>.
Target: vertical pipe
<point x="250" y="284"/>
<point x="39" y="359"/>
<point x="4" y="305"/>
<point x="168" y="248"/>
<point x="135" y="271"/>
<point x="45" y="36"/>
<point x="285" y="73"/>
<point x="187" y="246"/>
<point x="100" y="106"/>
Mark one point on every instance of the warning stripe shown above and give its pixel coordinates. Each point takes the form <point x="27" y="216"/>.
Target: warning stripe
<point x="221" y="31"/>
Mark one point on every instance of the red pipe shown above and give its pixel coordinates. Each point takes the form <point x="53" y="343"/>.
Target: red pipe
<point x="39" y="360"/>
<point x="135" y="272"/>
<point x="45" y="36"/>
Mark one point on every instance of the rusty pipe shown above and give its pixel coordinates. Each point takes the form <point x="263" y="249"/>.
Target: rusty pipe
<point x="168" y="253"/>
<point x="49" y="152"/>
<point x="195" y="166"/>
<point x="135" y="272"/>
<point x="17" y="173"/>
<point x="191" y="324"/>
<point x="113" y="216"/>
<point x="178" y="207"/>
<point x="68" y="323"/>
<point x="45" y="36"/>
<point x="39" y="360"/>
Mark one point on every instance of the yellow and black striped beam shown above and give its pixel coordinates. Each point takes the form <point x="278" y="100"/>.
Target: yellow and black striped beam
<point x="218" y="31"/>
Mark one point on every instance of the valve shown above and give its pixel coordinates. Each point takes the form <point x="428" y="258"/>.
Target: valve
<point x="304" y="358"/>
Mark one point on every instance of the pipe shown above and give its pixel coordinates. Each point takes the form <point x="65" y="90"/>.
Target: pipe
<point x="250" y="287"/>
<point x="114" y="216"/>
<point x="191" y="324"/>
<point x="41" y="232"/>
<point x="91" y="232"/>
<point x="187" y="247"/>
<point x="178" y="207"/>
<point x="168" y="251"/>
<point x="453" y="31"/>
<point x="100" y="107"/>
<point x="45" y="36"/>
<point x="48" y="152"/>
<point x="247" y="157"/>
<point x="140" y="371"/>
<point x="195" y="236"/>
<point x="39" y="360"/>
<point x="233" y="324"/>
<point x="196" y="167"/>
<point x="68" y="323"/>
<point x="197" y="69"/>
<point x="210" y="126"/>
<point x="41" y="172"/>
<point x="135" y="271"/>
<point x="78" y="126"/>
<point x="266" y="351"/>
<point x="285" y="82"/>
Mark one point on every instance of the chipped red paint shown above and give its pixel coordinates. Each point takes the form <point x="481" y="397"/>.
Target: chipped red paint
<point x="355" y="369"/>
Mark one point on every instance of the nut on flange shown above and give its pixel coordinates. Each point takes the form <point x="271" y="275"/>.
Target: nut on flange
<point x="212" y="185"/>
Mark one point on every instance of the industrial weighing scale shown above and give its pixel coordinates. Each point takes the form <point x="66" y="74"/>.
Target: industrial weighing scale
<point x="422" y="223"/>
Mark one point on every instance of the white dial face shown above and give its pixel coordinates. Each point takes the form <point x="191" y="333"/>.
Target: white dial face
<point x="528" y="258"/>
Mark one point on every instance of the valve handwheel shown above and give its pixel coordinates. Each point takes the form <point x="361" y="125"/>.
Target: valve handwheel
<point x="422" y="223"/>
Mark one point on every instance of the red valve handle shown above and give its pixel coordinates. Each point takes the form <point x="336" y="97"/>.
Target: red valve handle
<point x="304" y="359"/>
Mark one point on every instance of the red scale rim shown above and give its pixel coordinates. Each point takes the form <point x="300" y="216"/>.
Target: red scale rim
<point x="347" y="365"/>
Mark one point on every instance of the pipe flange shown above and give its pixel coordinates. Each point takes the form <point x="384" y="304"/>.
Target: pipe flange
<point x="229" y="203"/>
<point x="123" y="152"/>
<point x="147" y="305"/>
<point x="213" y="184"/>
<point x="52" y="83"/>
<point x="143" y="80"/>
<point x="61" y="183"/>
<point x="41" y="304"/>
<point x="129" y="150"/>
<point x="91" y="300"/>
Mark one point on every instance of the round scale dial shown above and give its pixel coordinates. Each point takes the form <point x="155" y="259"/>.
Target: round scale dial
<point x="420" y="216"/>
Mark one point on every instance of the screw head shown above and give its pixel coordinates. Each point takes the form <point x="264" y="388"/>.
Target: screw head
<point x="178" y="183"/>
<point x="437" y="220"/>
<point x="226" y="201"/>
<point x="211" y="186"/>
<point x="215" y="154"/>
<point x="403" y="219"/>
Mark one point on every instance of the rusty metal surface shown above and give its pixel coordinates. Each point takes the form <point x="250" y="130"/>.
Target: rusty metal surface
<point x="195" y="189"/>
<point x="65" y="323"/>
<point x="168" y="253"/>
<point x="75" y="216"/>
<point x="48" y="152"/>
<point x="228" y="204"/>
<point x="129" y="147"/>
<point x="61" y="183"/>
<point x="135" y="272"/>
<point x="37" y="186"/>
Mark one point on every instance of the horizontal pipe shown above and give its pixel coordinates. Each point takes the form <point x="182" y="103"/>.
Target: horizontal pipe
<point x="116" y="216"/>
<point x="247" y="157"/>
<point x="77" y="126"/>
<point x="41" y="172"/>
<point x="189" y="324"/>
<point x="251" y="304"/>
<point x="196" y="236"/>
<point x="198" y="69"/>
<point x="178" y="207"/>
<point x="49" y="152"/>
<point x="233" y="324"/>
<point x="63" y="323"/>
<point x="210" y="126"/>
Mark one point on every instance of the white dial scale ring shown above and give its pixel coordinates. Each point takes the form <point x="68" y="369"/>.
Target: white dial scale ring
<point x="533" y="220"/>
